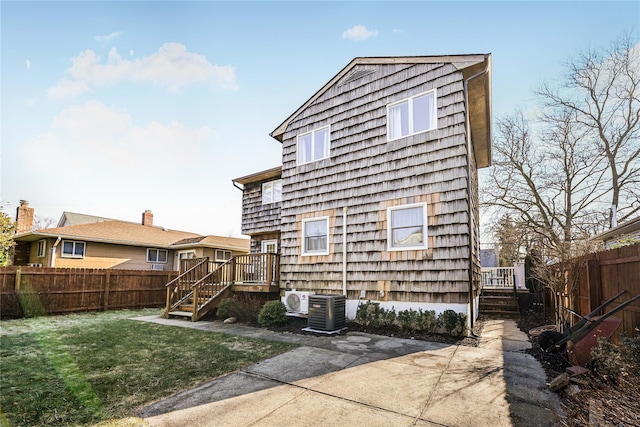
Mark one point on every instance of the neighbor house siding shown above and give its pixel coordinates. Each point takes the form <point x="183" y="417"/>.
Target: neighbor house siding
<point x="367" y="174"/>
<point x="103" y="255"/>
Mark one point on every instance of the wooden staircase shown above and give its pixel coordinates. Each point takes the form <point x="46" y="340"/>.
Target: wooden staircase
<point x="203" y="285"/>
<point x="499" y="303"/>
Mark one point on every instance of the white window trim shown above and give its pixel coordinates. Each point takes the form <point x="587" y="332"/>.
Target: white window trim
<point x="264" y="244"/>
<point x="268" y="189"/>
<point x="410" y="99"/>
<point x="63" y="255"/>
<point x="390" y="246"/>
<point x="303" y="244"/>
<point x="313" y="132"/>
<point x="42" y="248"/>
<point x="222" y="259"/>
<point x="157" y="262"/>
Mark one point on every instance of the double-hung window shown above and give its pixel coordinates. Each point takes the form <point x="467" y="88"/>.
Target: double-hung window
<point x="42" y="248"/>
<point x="272" y="192"/>
<point x="72" y="249"/>
<point x="412" y="115"/>
<point x="314" y="145"/>
<point x="222" y="256"/>
<point x="315" y="236"/>
<point x="157" y="255"/>
<point x="407" y="227"/>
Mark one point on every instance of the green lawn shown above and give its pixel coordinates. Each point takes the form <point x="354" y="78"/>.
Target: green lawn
<point x="82" y="369"/>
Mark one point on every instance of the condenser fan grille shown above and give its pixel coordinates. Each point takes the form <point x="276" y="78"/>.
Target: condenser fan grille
<point x="293" y="302"/>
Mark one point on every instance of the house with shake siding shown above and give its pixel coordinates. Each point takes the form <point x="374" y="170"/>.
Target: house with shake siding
<point x="377" y="194"/>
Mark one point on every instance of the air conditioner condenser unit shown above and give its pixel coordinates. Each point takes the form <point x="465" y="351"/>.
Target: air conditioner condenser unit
<point x="327" y="312"/>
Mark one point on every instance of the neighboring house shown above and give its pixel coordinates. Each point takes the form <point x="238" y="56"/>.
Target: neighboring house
<point x="377" y="195"/>
<point x="624" y="234"/>
<point x="95" y="242"/>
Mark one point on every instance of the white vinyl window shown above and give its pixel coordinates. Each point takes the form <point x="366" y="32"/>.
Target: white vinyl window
<point x="42" y="248"/>
<point x="315" y="236"/>
<point x="223" y="256"/>
<point x="412" y="115"/>
<point x="407" y="227"/>
<point x="272" y="192"/>
<point x="270" y="246"/>
<point x="314" y="145"/>
<point x="72" y="249"/>
<point x="157" y="255"/>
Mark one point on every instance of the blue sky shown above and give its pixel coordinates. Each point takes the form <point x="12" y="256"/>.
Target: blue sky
<point x="111" y="108"/>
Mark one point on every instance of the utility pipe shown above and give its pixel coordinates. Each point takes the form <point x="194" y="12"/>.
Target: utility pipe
<point x="469" y="193"/>
<point x="344" y="251"/>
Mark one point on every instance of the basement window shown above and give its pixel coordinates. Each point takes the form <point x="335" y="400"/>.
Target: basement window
<point x="72" y="249"/>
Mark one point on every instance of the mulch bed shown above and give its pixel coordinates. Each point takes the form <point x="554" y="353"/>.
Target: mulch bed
<point x="596" y="400"/>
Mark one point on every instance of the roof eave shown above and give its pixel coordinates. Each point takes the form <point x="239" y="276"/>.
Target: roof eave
<point x="259" y="176"/>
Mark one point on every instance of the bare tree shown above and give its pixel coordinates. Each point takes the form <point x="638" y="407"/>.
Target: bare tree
<point x="601" y="89"/>
<point x="41" y="222"/>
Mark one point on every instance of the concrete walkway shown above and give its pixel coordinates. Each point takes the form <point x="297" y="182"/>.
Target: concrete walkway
<point x="367" y="380"/>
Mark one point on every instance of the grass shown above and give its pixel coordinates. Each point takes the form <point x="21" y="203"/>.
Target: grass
<point x="83" y="369"/>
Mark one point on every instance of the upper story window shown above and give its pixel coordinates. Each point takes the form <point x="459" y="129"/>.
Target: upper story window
<point x="157" y="255"/>
<point x="407" y="227"/>
<point x="412" y="115"/>
<point x="314" y="145"/>
<point x="222" y="255"/>
<point x="72" y="249"/>
<point x="272" y="192"/>
<point x="42" y="248"/>
<point x="315" y="236"/>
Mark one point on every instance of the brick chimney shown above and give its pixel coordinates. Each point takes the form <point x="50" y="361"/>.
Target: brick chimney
<point x="147" y="218"/>
<point x="24" y="217"/>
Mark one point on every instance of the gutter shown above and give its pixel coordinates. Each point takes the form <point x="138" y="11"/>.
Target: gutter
<point x="469" y="192"/>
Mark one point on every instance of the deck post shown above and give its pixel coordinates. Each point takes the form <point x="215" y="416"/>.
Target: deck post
<point x="269" y="269"/>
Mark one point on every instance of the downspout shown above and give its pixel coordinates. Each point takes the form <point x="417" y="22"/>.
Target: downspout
<point x="469" y="193"/>
<point x="344" y="251"/>
<point x="53" y="251"/>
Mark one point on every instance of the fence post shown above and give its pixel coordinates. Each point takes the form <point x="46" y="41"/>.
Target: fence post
<point x="593" y="280"/>
<point x="16" y="285"/>
<point x="107" y="283"/>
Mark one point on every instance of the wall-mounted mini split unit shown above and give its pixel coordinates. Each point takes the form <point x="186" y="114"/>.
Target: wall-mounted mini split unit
<point x="297" y="302"/>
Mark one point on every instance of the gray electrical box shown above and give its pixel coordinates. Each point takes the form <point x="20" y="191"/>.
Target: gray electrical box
<point x="326" y="312"/>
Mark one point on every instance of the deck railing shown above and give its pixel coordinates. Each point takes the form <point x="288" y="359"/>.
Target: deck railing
<point x="203" y="280"/>
<point x="498" y="277"/>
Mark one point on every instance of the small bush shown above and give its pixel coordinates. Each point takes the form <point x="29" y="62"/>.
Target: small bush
<point x="611" y="360"/>
<point x="372" y="315"/>
<point x="226" y="308"/>
<point x="453" y="323"/>
<point x="273" y="313"/>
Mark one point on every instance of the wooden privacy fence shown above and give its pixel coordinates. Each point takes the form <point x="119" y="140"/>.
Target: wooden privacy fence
<point x="37" y="290"/>
<point x="601" y="276"/>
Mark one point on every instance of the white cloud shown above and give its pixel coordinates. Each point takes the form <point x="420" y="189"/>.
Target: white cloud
<point x="96" y="141"/>
<point x="358" y="33"/>
<point x="172" y="67"/>
<point x="396" y="30"/>
<point x="131" y="52"/>
<point x="108" y="36"/>
<point x="28" y="64"/>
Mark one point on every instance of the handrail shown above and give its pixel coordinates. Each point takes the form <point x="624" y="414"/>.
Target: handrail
<point x="202" y="261"/>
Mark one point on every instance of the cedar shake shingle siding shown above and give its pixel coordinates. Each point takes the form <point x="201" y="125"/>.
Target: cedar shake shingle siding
<point x="367" y="174"/>
<point x="256" y="217"/>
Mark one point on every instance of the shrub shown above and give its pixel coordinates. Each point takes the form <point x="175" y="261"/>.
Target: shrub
<point x="226" y="308"/>
<point x="453" y="323"/>
<point x="372" y="315"/>
<point x="273" y="313"/>
<point x="609" y="359"/>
